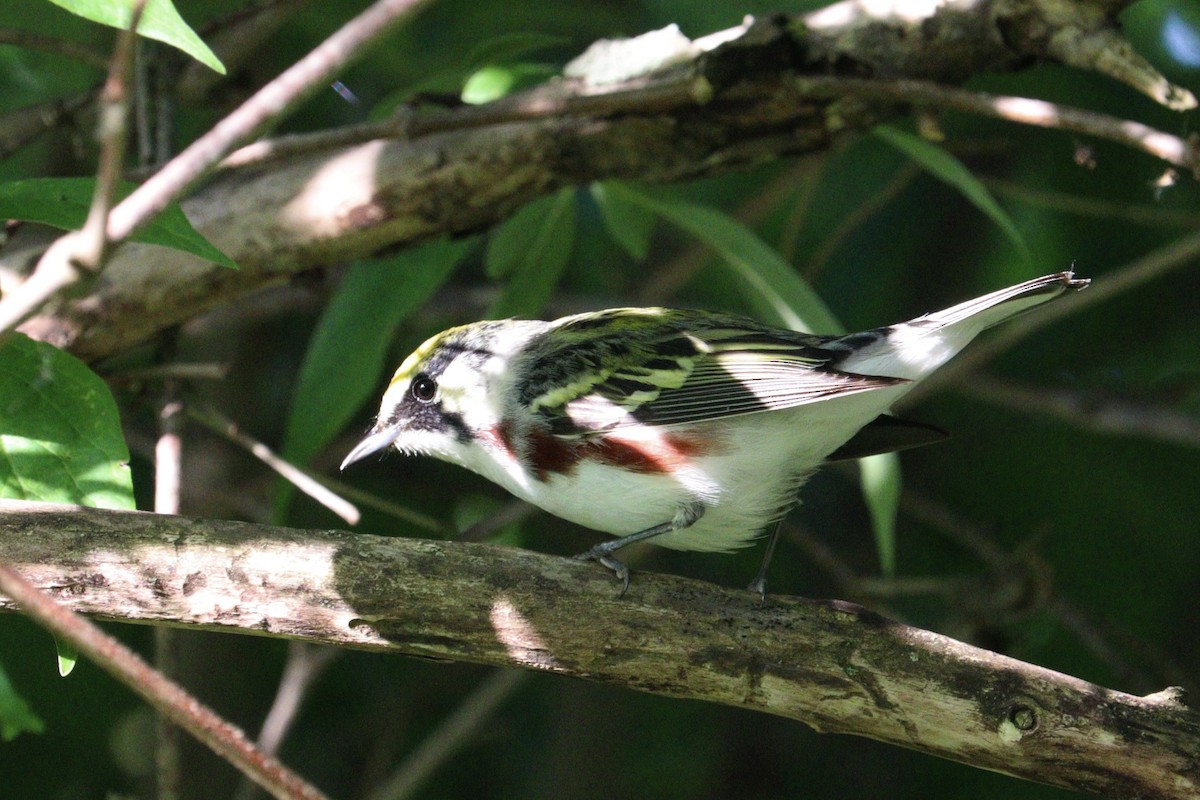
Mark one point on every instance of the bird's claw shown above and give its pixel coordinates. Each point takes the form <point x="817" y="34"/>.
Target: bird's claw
<point x="759" y="587"/>
<point x="602" y="555"/>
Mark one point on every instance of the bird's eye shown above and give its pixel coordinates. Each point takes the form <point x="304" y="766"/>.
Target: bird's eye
<point x="423" y="389"/>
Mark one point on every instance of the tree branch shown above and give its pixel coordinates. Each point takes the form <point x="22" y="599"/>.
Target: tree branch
<point x="170" y="699"/>
<point x="308" y="201"/>
<point x="74" y="254"/>
<point x="832" y="665"/>
<point x="1090" y="410"/>
<point x="1183" y="153"/>
<point x="79" y="255"/>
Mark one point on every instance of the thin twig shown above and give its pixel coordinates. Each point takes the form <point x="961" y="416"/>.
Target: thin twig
<point x="801" y="204"/>
<point x="1090" y="411"/>
<point x="667" y="280"/>
<point x="143" y="106"/>
<point x="849" y="583"/>
<point x="168" y="452"/>
<point x="344" y="496"/>
<point x="538" y="104"/>
<point x="238" y="37"/>
<point x="998" y="562"/>
<point x="402" y="513"/>
<point x="967" y="535"/>
<point x="55" y="270"/>
<point x="682" y="92"/>
<point x="306" y="483"/>
<point x="168" y="745"/>
<point x="851" y="222"/>
<point x="55" y="46"/>
<point x="168" y="697"/>
<point x="1024" y="110"/>
<point x="266" y="106"/>
<point x="154" y="136"/>
<point x="511" y="512"/>
<point x="1142" y="675"/>
<point x="1106" y="51"/>
<point x="1094" y="207"/>
<point x="1179" y="253"/>
<point x="113" y="132"/>
<point x="20" y="126"/>
<point x="168" y="469"/>
<point x="202" y="371"/>
<point x="954" y="527"/>
<point x="451" y="735"/>
<point x="305" y="663"/>
<point x="81" y="253"/>
<point x="825" y="558"/>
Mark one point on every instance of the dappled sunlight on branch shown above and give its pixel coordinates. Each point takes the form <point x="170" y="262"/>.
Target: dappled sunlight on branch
<point x="517" y="634"/>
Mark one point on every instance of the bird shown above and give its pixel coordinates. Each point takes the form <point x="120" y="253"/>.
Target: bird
<point x="690" y="429"/>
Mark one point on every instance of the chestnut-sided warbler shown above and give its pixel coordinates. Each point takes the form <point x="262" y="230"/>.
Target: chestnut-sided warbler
<point x="691" y="429"/>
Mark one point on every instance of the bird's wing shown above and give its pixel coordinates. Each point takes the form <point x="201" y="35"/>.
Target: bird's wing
<point x="700" y="374"/>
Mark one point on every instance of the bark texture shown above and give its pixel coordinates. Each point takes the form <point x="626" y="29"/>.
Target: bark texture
<point x="731" y="100"/>
<point x="832" y="665"/>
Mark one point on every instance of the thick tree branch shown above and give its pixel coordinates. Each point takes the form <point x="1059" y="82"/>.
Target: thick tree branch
<point x="748" y="99"/>
<point x="832" y="665"/>
<point x="76" y="254"/>
<point x="170" y="699"/>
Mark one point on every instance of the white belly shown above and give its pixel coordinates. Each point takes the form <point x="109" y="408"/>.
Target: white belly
<point x="748" y="484"/>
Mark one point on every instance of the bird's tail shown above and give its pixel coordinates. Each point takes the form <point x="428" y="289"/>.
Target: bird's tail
<point x="991" y="309"/>
<point x="915" y="348"/>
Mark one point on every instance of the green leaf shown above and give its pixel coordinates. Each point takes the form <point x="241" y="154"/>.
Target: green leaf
<point x="535" y="246"/>
<point x="881" y="485"/>
<point x="160" y="21"/>
<point x="497" y="80"/>
<point x="16" y="717"/>
<point x="630" y="225"/>
<point x="772" y="286"/>
<point x="345" y="356"/>
<point x="60" y="435"/>
<point x="64" y="203"/>
<point x="945" y="167"/>
<point x="68" y="656"/>
<point x="487" y="84"/>
<point x="496" y="67"/>
<point x="498" y="51"/>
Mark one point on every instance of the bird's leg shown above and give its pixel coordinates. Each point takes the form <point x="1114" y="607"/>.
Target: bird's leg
<point x="685" y="517"/>
<point x="759" y="584"/>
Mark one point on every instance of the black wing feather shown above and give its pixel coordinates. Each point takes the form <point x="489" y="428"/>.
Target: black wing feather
<point x="677" y="369"/>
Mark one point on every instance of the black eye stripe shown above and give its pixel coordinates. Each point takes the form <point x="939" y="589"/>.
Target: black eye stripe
<point x="423" y="389"/>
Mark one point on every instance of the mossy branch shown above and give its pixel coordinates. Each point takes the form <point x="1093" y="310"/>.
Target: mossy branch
<point x="771" y="88"/>
<point x="834" y="666"/>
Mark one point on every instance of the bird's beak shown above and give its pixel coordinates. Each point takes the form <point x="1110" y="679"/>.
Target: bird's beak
<point x="373" y="443"/>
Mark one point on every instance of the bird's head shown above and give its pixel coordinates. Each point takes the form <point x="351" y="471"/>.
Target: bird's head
<point x="449" y="391"/>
